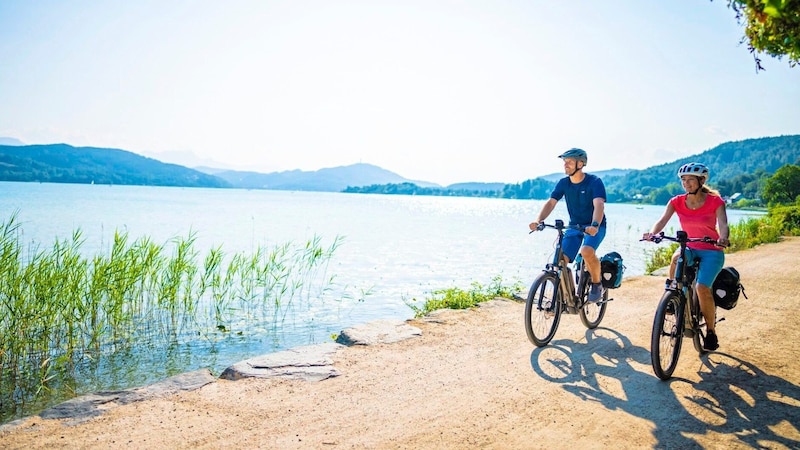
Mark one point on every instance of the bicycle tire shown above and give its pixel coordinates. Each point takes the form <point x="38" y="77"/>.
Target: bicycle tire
<point x="592" y="313"/>
<point x="666" y="338"/>
<point x="699" y="335"/>
<point x="543" y="309"/>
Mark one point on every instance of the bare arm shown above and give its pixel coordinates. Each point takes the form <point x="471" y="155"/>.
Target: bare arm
<point x="597" y="215"/>
<point x="661" y="223"/>
<point x="548" y="207"/>
<point x="722" y="222"/>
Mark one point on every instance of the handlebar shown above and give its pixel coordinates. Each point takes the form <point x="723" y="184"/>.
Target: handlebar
<point x="681" y="237"/>
<point x="559" y="225"/>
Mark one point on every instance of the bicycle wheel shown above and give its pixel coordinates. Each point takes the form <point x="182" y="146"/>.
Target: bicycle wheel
<point x="666" y="338"/>
<point x="699" y="325"/>
<point x="591" y="313"/>
<point x="543" y="309"/>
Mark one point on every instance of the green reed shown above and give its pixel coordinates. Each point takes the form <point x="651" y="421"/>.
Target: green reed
<point x="60" y="309"/>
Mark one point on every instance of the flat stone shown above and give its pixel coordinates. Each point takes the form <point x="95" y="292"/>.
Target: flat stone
<point x="309" y="363"/>
<point x="91" y="405"/>
<point x="378" y="332"/>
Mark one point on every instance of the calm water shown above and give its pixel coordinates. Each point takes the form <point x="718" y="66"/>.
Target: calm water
<point x="395" y="248"/>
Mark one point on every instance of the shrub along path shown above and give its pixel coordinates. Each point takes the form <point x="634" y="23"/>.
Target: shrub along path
<point x="473" y="380"/>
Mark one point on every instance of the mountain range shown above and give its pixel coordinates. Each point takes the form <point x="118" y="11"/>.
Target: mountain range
<point x="68" y="164"/>
<point x="329" y="179"/>
<point x="63" y="163"/>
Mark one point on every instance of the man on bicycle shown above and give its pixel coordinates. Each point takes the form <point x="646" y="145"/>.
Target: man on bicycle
<point x="585" y="196"/>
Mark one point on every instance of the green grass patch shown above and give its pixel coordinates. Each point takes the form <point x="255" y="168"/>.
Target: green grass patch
<point x="457" y="298"/>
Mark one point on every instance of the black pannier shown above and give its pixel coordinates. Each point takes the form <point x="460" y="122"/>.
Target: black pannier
<point x="726" y="288"/>
<point x="611" y="269"/>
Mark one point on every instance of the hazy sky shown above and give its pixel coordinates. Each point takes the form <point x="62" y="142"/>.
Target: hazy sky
<point x="441" y="91"/>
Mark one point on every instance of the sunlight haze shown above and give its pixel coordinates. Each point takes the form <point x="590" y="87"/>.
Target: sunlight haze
<point x="440" y="91"/>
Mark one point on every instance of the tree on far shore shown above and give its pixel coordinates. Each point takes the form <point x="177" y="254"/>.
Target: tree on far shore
<point x="784" y="187"/>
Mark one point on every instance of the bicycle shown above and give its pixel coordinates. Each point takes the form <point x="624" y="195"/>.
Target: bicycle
<point x="678" y="313"/>
<point x="555" y="291"/>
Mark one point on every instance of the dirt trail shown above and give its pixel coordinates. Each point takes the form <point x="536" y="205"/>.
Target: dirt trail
<point x="474" y="380"/>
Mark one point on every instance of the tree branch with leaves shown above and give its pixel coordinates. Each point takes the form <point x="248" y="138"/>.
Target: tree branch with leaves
<point x="771" y="27"/>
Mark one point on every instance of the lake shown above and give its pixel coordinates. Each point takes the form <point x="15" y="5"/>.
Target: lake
<point x="394" y="248"/>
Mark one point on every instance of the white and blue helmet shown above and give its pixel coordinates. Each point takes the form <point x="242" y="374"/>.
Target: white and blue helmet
<point x="696" y="169"/>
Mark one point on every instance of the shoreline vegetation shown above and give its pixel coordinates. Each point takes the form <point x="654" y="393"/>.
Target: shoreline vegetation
<point x="63" y="316"/>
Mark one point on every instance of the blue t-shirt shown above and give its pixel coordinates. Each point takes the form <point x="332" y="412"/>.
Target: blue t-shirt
<point x="579" y="198"/>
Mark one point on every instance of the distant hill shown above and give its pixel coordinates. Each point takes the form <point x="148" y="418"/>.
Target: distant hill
<point x="736" y="167"/>
<point x="10" y="141"/>
<point x="476" y="186"/>
<point x="62" y="163"/>
<point x="726" y="160"/>
<point x="334" y="179"/>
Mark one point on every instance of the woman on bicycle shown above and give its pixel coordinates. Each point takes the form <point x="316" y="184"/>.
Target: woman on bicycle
<point x="701" y="212"/>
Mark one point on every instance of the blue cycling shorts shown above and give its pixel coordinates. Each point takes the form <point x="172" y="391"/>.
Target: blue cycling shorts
<point x="711" y="262"/>
<point x="574" y="239"/>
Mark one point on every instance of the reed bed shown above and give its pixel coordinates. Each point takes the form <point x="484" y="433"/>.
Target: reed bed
<point x="62" y="312"/>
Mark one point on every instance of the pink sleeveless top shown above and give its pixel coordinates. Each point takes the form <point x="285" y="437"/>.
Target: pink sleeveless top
<point x="699" y="222"/>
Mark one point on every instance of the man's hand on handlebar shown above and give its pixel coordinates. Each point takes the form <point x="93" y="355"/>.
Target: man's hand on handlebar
<point x="536" y="226"/>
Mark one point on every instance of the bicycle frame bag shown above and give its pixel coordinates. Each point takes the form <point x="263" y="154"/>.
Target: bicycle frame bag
<point x="611" y="269"/>
<point x="726" y="288"/>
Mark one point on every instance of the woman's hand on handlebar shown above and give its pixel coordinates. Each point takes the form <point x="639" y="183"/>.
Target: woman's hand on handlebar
<point x="536" y="226"/>
<point x="654" y="237"/>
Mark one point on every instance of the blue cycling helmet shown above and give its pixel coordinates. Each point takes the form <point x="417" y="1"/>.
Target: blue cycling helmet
<point x="576" y="153"/>
<point x="696" y="169"/>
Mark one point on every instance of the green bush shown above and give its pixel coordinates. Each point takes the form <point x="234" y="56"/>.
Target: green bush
<point x="786" y="218"/>
<point x="456" y="298"/>
<point x="661" y="257"/>
<point x="753" y="231"/>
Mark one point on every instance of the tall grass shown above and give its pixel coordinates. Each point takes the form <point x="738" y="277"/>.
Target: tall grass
<point x="60" y="309"/>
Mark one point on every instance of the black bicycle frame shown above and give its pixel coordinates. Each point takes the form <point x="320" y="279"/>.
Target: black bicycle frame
<point x="567" y="284"/>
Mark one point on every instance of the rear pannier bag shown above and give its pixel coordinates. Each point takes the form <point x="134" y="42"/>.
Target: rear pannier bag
<point x="726" y="288"/>
<point x="611" y="269"/>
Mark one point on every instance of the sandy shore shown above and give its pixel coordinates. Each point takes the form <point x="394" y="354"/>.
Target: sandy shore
<point x="472" y="380"/>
